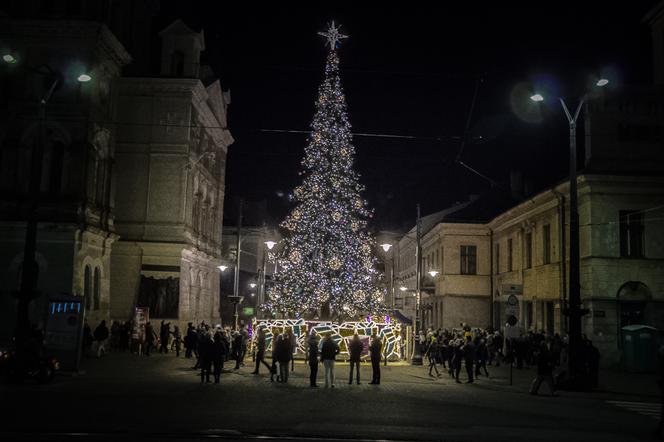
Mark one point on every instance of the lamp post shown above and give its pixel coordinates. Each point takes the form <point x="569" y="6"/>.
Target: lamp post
<point x="386" y="248"/>
<point x="574" y="310"/>
<point x="30" y="268"/>
<point x="417" y="353"/>
<point x="261" y="274"/>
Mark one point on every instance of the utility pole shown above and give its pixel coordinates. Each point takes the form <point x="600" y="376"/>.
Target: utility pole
<point x="417" y="354"/>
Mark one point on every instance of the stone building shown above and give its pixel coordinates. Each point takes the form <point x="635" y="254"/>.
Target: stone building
<point x="171" y="149"/>
<point x="75" y="212"/>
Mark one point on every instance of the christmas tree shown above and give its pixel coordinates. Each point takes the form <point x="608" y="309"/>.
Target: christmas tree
<point x="327" y="266"/>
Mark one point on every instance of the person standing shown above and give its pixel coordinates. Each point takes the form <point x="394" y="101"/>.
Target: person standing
<point x="355" y="351"/>
<point x="592" y="361"/>
<point x="88" y="339"/>
<point x="245" y="342"/>
<point x="237" y="349"/>
<point x="205" y="356"/>
<point x="293" y="347"/>
<point x="375" y="349"/>
<point x="177" y="340"/>
<point x="101" y="336"/>
<point x="260" y="351"/>
<point x="481" y="357"/>
<point x="544" y="370"/>
<point x="328" y="353"/>
<point x="218" y="352"/>
<point x="164" y="334"/>
<point x="149" y="338"/>
<point x="469" y="357"/>
<point x="312" y="358"/>
<point x="284" y="356"/>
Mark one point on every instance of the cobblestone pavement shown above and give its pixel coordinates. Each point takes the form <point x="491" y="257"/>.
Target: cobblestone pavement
<point x="161" y="397"/>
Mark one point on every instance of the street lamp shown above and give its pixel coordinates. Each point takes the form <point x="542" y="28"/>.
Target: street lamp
<point x="252" y="285"/>
<point x="222" y="268"/>
<point x="403" y="288"/>
<point x="574" y="310"/>
<point x="386" y="247"/>
<point x="433" y="273"/>
<point x="270" y="244"/>
<point x="9" y="58"/>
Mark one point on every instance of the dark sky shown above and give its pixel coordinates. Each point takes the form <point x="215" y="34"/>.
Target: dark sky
<point x="410" y="71"/>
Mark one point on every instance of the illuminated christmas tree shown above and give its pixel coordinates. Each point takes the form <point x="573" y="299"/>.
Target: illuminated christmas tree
<point x="327" y="263"/>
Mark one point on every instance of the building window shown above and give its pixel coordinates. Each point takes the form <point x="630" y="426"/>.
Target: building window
<point x="96" y="292"/>
<point x="631" y="233"/>
<point x="468" y="260"/>
<point x="529" y="250"/>
<point x="509" y="255"/>
<point x="546" y="244"/>
<point x="497" y="258"/>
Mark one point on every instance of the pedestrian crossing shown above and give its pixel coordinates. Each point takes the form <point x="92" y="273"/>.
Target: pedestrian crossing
<point x="651" y="409"/>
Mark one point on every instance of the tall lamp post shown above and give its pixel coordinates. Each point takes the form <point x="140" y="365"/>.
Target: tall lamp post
<point x="574" y="310"/>
<point x="30" y="268"/>
<point x="417" y="351"/>
<point x="386" y="248"/>
<point x="269" y="245"/>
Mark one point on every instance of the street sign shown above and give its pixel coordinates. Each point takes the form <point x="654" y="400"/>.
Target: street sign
<point x="512" y="307"/>
<point x="248" y="311"/>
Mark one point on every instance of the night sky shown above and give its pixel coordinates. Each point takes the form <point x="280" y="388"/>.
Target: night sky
<point x="411" y="72"/>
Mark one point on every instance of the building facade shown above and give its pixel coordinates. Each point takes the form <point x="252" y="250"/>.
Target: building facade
<point x="172" y="145"/>
<point x="75" y="211"/>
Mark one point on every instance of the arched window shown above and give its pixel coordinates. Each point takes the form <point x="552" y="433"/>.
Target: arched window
<point x="87" y="287"/>
<point x="97" y="290"/>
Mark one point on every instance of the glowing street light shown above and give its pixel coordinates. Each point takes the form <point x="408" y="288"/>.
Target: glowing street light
<point x="433" y="273"/>
<point x="222" y="268"/>
<point x="270" y="244"/>
<point x="602" y="82"/>
<point x="386" y="247"/>
<point x="9" y="58"/>
<point x="537" y="97"/>
<point x="253" y="286"/>
<point x="84" y="78"/>
<point x="403" y="289"/>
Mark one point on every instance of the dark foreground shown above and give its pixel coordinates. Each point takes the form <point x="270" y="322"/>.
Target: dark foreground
<point x="122" y="397"/>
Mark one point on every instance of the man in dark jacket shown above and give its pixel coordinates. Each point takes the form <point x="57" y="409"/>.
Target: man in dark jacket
<point x="164" y="334"/>
<point x="375" y="349"/>
<point x="284" y="355"/>
<point x="101" y="335"/>
<point x="431" y="354"/>
<point x="469" y="357"/>
<point x="149" y="338"/>
<point x="205" y="356"/>
<point x="237" y="349"/>
<point x="544" y="370"/>
<point x="312" y="358"/>
<point x="481" y="357"/>
<point x="217" y="356"/>
<point x="260" y="352"/>
<point x="355" y="351"/>
<point x="328" y="353"/>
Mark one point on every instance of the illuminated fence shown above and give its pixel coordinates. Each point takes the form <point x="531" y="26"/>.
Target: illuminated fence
<point x="342" y="333"/>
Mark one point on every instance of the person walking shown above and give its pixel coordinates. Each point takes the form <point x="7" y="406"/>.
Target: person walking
<point x="150" y="337"/>
<point x="218" y="353"/>
<point x="260" y="352"/>
<point x="375" y="349"/>
<point x="101" y="336"/>
<point x="284" y="356"/>
<point x="312" y="358"/>
<point x="544" y="362"/>
<point x="329" y="351"/>
<point x="245" y="342"/>
<point x="355" y="351"/>
<point x="164" y="335"/>
<point x="431" y="353"/>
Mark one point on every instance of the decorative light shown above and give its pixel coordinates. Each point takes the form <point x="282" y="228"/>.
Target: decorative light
<point x="403" y="289"/>
<point x="602" y="82"/>
<point x="270" y="244"/>
<point x="386" y="247"/>
<point x="253" y="294"/>
<point x="537" y="97"/>
<point x="9" y="58"/>
<point x="84" y="78"/>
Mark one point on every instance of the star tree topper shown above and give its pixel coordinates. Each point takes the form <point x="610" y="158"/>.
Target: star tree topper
<point x="333" y="35"/>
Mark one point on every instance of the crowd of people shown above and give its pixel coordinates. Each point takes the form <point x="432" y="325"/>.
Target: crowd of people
<point x="472" y="349"/>
<point x="475" y="348"/>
